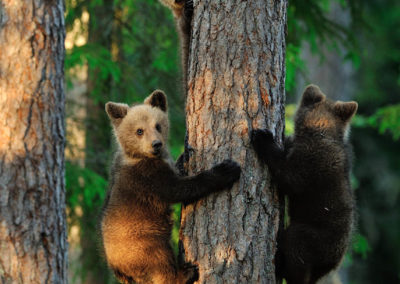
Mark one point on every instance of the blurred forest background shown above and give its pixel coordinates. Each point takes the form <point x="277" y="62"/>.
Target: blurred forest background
<point x="121" y="50"/>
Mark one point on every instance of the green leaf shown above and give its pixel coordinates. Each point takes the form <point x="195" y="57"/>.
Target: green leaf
<point x="361" y="246"/>
<point x="290" y="111"/>
<point x="385" y="119"/>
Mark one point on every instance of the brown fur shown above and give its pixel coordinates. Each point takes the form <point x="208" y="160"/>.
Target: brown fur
<point x="313" y="169"/>
<point x="183" y="12"/>
<point x="136" y="223"/>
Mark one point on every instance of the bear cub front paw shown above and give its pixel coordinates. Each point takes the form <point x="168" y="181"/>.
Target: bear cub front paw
<point x="227" y="172"/>
<point x="261" y="138"/>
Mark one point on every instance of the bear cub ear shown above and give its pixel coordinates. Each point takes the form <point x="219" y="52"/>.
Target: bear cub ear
<point x="345" y="110"/>
<point x="312" y="95"/>
<point x="116" y="112"/>
<point x="157" y="99"/>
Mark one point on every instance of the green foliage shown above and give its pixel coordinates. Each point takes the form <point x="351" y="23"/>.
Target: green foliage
<point x="85" y="189"/>
<point x="378" y="202"/>
<point x="176" y="216"/>
<point x="385" y="119"/>
<point x="93" y="55"/>
<point x="85" y="193"/>
<point x="310" y="21"/>
<point x="290" y="110"/>
<point x="360" y="245"/>
<point x="294" y="64"/>
<point x="73" y="12"/>
<point x="379" y="70"/>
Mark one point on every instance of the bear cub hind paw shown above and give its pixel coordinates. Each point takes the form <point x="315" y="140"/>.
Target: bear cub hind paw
<point x="190" y="273"/>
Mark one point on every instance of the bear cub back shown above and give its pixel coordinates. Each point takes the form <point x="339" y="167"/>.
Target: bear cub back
<point x="313" y="170"/>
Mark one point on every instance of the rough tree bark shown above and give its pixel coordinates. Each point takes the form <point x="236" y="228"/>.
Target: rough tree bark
<point x="33" y="246"/>
<point x="235" y="83"/>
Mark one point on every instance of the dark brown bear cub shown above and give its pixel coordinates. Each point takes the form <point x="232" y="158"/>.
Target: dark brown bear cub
<point x="136" y="221"/>
<point x="313" y="170"/>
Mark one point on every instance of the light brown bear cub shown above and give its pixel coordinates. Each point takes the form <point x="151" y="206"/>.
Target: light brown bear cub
<point x="136" y="221"/>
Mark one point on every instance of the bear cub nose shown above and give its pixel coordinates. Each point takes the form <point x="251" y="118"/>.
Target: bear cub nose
<point x="157" y="144"/>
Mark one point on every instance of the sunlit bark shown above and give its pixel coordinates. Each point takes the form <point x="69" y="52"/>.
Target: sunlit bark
<point x="33" y="247"/>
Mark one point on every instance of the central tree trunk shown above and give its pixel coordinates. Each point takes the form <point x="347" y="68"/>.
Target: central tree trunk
<point x="236" y="83"/>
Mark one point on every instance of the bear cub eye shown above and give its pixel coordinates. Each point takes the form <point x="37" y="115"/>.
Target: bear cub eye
<point x="139" y="132"/>
<point x="158" y="127"/>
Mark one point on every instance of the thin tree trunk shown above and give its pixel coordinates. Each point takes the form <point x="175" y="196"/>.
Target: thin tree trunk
<point x="33" y="246"/>
<point x="98" y="138"/>
<point x="235" y="84"/>
<point x="98" y="141"/>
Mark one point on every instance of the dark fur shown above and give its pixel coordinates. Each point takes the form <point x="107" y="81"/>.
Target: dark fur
<point x="313" y="169"/>
<point x="136" y="221"/>
<point x="157" y="99"/>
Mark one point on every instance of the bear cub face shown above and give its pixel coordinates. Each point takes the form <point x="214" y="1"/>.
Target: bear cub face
<point x="319" y="115"/>
<point x="141" y="130"/>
